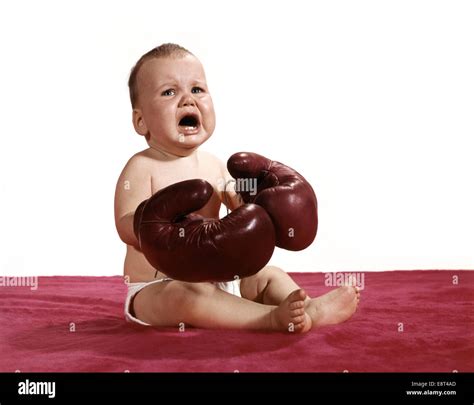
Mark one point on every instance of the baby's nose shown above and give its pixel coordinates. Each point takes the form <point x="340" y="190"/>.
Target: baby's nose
<point x="187" y="101"/>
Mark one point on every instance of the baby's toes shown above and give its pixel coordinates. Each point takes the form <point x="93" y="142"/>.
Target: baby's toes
<point x="298" y="319"/>
<point x="297" y="312"/>
<point x="296" y="305"/>
<point x="297" y="296"/>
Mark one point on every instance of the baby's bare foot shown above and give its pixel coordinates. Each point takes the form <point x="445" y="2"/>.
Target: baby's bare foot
<point x="334" y="307"/>
<point x="290" y="315"/>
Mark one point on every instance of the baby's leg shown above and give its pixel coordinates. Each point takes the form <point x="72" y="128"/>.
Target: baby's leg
<point x="206" y="306"/>
<point x="271" y="285"/>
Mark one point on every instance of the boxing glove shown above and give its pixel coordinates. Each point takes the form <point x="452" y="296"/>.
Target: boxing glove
<point x="189" y="247"/>
<point x="284" y="193"/>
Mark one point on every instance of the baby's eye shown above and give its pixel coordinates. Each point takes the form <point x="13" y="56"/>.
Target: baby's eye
<point x="169" y="92"/>
<point x="197" y="90"/>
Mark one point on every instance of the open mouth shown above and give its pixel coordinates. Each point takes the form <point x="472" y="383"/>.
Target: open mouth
<point x="189" y="122"/>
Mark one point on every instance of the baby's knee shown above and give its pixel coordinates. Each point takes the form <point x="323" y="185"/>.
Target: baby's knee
<point x="271" y="271"/>
<point x="198" y="288"/>
<point x="181" y="292"/>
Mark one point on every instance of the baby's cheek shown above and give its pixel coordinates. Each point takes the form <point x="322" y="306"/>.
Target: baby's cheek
<point x="210" y="124"/>
<point x="208" y="106"/>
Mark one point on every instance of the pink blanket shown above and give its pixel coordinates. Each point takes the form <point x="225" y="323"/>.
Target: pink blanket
<point x="407" y="321"/>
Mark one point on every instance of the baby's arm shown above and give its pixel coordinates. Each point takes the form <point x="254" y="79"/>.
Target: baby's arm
<point x="133" y="186"/>
<point x="228" y="195"/>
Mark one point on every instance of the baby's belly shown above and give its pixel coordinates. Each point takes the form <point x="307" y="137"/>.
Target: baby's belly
<point x="137" y="267"/>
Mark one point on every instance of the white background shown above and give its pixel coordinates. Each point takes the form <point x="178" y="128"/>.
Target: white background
<point x="372" y="101"/>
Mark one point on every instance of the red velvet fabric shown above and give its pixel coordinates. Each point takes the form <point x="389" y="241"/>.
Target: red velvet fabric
<point x="437" y="318"/>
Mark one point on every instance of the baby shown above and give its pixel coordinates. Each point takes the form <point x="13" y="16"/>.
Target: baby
<point x="173" y="110"/>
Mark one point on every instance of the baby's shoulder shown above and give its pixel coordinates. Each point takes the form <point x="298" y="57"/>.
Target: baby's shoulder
<point x="139" y="162"/>
<point x="139" y="165"/>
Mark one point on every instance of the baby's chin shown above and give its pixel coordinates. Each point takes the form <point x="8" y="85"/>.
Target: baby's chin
<point x="191" y="141"/>
<point x="181" y="145"/>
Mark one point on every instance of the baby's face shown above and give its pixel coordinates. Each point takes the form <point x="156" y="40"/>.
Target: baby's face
<point x="174" y="106"/>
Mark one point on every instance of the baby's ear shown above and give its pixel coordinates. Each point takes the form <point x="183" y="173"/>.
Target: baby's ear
<point x="138" y="122"/>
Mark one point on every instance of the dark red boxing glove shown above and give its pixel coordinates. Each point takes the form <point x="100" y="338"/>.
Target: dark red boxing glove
<point x="284" y="193"/>
<point x="189" y="247"/>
